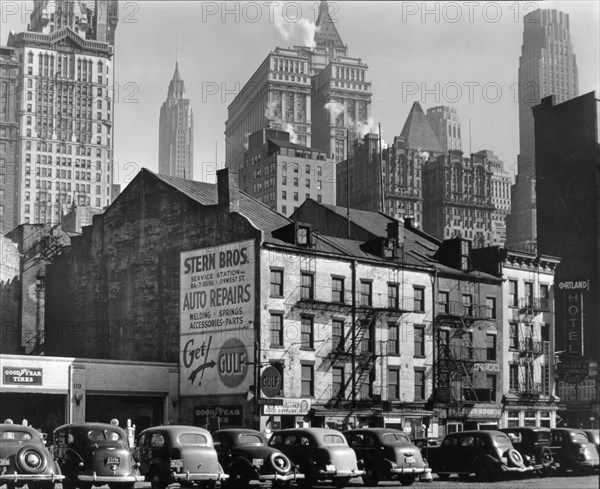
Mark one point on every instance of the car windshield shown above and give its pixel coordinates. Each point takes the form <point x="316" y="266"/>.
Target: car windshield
<point x="15" y="435"/>
<point x="333" y="440"/>
<point x="104" y="435"/>
<point x="395" y="438"/>
<point x="544" y="436"/>
<point x="192" y="439"/>
<point x="250" y="439"/>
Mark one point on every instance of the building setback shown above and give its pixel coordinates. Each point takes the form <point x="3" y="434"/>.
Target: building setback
<point x="176" y="132"/>
<point x="65" y="100"/>
<point x="568" y="194"/>
<point x="318" y="94"/>
<point x="283" y="174"/>
<point x="547" y="66"/>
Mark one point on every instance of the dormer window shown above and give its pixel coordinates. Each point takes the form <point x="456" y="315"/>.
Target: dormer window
<point x="303" y="235"/>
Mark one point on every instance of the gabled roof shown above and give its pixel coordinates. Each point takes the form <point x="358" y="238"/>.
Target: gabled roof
<point x="417" y="131"/>
<point x="326" y="34"/>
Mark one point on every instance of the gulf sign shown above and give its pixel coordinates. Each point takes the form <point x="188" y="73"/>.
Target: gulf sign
<point x="217" y="304"/>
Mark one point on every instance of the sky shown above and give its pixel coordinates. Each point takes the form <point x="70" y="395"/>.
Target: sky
<point x="462" y="54"/>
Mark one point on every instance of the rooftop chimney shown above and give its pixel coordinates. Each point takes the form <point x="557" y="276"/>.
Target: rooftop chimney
<point x="228" y="190"/>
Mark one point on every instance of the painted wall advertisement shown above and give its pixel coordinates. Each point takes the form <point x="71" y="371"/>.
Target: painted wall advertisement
<point x="217" y="287"/>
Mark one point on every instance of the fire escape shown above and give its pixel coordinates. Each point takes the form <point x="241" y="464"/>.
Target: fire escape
<point x="356" y="349"/>
<point x="530" y="345"/>
<point x="40" y="246"/>
<point x="456" y="353"/>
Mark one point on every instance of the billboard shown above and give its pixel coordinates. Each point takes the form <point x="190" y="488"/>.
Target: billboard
<point x="217" y="301"/>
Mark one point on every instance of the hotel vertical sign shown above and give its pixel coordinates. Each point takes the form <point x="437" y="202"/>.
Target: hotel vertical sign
<point x="573" y="292"/>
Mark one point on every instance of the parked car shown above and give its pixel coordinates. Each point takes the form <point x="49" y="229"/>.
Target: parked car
<point x="320" y="453"/>
<point x="177" y="453"/>
<point x="386" y="454"/>
<point x="421" y="443"/>
<point x="24" y="459"/>
<point x="594" y="437"/>
<point x="246" y="456"/>
<point x="573" y="451"/>
<point x="533" y="443"/>
<point x="94" y="454"/>
<point x="487" y="453"/>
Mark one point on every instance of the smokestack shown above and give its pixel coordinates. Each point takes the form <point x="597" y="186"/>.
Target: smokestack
<point x="228" y="190"/>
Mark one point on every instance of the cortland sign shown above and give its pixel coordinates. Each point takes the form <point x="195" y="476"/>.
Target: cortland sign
<point x="216" y="315"/>
<point x="22" y="376"/>
<point x="575" y="285"/>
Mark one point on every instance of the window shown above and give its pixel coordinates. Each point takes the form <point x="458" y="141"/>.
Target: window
<point x="513" y="376"/>
<point x="393" y="296"/>
<point x="307" y="381"/>
<point x="419" y="339"/>
<point x="337" y="335"/>
<point x="307" y="332"/>
<point x="337" y="289"/>
<point x="419" y="383"/>
<point x="367" y="343"/>
<point x="443" y="302"/>
<point x="307" y="286"/>
<point x="529" y="294"/>
<point x="467" y="300"/>
<point x="490" y="343"/>
<point x="544" y="296"/>
<point x="393" y="383"/>
<point x="337" y="382"/>
<point x="295" y="196"/>
<point x="393" y="343"/>
<point x="276" y="283"/>
<point x="419" y="299"/>
<point x="366" y="293"/>
<point x="276" y="329"/>
<point x="513" y="336"/>
<point x="513" y="297"/>
<point x="490" y="307"/>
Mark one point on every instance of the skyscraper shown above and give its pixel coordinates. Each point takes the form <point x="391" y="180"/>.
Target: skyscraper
<point x="547" y="66"/>
<point x="446" y="126"/>
<point x="64" y="98"/>
<point x="176" y="132"/>
<point x="315" y="93"/>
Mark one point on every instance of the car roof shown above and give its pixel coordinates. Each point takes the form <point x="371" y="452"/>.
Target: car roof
<point x="177" y="428"/>
<point x="526" y="428"/>
<point x="376" y="430"/>
<point x="90" y="426"/>
<point x="569" y="430"/>
<point x="238" y="430"/>
<point x="315" y="431"/>
<point x="475" y="432"/>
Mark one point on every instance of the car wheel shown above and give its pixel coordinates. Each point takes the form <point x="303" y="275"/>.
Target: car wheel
<point x="514" y="458"/>
<point x="122" y="485"/>
<point x="238" y="477"/>
<point x="341" y="481"/>
<point x="547" y="460"/>
<point x="157" y="483"/>
<point x="370" y="478"/>
<point x="282" y="485"/>
<point x="30" y="460"/>
<point x="485" y="471"/>
<point x="407" y="480"/>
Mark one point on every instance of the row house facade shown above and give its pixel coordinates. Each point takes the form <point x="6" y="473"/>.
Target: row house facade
<point x="325" y="318"/>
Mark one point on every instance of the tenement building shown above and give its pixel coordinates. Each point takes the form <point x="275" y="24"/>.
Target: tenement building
<point x="283" y="174"/>
<point x="64" y="101"/>
<point x="568" y="194"/>
<point x="176" y="132"/>
<point x="317" y="93"/>
<point x="547" y="66"/>
<point x="327" y="318"/>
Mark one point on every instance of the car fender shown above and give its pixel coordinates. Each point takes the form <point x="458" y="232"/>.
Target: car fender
<point x="159" y="467"/>
<point x="486" y="459"/>
<point x="243" y="462"/>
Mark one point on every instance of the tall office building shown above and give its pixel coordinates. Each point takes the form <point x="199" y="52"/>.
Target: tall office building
<point x="176" y="132"/>
<point x="446" y="126"/>
<point x="9" y="72"/>
<point x="547" y="66"/>
<point x="64" y="99"/>
<point x="500" y="191"/>
<point x="316" y="93"/>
